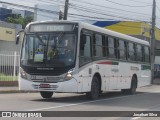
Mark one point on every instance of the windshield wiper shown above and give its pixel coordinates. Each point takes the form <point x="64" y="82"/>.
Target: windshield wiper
<point x="40" y="39"/>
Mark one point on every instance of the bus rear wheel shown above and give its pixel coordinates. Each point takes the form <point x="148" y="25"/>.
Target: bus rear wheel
<point x="133" y="87"/>
<point x="94" y="93"/>
<point x="46" y="94"/>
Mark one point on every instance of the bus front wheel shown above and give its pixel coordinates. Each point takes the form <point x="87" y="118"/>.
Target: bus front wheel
<point x="94" y="93"/>
<point x="46" y="94"/>
<point x="133" y="87"/>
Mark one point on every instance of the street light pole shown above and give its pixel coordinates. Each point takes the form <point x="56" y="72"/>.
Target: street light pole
<point x="152" y="42"/>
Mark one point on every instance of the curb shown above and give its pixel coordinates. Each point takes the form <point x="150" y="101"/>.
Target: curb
<point x="15" y="91"/>
<point x="10" y="91"/>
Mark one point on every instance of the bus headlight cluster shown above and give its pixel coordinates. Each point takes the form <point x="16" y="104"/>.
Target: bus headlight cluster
<point x="23" y="74"/>
<point x="69" y="74"/>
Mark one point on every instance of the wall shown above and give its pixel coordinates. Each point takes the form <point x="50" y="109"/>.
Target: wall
<point x="9" y="46"/>
<point x="7" y="34"/>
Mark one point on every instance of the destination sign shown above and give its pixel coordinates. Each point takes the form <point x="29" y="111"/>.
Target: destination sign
<point x="51" y="27"/>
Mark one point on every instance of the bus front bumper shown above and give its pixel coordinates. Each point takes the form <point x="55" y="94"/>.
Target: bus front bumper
<point x="65" y="86"/>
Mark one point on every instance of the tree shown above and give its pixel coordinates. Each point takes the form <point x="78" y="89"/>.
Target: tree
<point x="18" y="19"/>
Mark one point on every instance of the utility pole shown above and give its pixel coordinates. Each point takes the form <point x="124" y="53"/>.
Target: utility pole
<point x="66" y="9"/>
<point x="60" y="15"/>
<point x="35" y="12"/>
<point x="152" y="42"/>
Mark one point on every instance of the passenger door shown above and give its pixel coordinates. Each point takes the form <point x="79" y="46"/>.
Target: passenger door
<point x="85" y="65"/>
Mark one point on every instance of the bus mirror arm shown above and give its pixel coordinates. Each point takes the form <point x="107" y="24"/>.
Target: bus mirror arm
<point x="17" y="39"/>
<point x="18" y="36"/>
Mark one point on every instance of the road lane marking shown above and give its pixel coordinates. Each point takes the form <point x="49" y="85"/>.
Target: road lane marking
<point x="135" y="118"/>
<point x="69" y="105"/>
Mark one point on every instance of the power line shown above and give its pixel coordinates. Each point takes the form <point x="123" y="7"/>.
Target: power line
<point x="110" y="8"/>
<point x="118" y="17"/>
<point x="35" y="2"/>
<point x="101" y="18"/>
<point x="100" y="12"/>
<point x="51" y="2"/>
<point x="139" y="2"/>
<point x="126" y="4"/>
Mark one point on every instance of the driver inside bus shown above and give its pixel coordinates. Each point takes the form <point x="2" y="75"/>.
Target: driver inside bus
<point x="51" y="53"/>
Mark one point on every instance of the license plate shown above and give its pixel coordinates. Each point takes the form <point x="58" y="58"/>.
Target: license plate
<point x="44" y="86"/>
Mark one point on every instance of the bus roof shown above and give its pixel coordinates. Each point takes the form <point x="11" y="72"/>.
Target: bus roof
<point x="97" y="29"/>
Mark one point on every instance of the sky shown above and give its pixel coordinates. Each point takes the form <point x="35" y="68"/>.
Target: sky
<point x="134" y="10"/>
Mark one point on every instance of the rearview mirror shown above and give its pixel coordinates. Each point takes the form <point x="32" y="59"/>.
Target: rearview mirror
<point x="17" y="39"/>
<point x="19" y="36"/>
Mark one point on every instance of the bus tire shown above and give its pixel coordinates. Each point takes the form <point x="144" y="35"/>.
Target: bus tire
<point x="133" y="87"/>
<point x="46" y="94"/>
<point x="94" y="93"/>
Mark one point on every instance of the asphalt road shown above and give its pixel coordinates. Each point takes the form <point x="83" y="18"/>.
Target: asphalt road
<point x="146" y="99"/>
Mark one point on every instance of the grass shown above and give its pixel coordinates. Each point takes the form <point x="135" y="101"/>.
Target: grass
<point x="4" y="77"/>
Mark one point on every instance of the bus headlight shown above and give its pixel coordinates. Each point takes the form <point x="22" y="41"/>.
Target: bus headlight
<point x="69" y="74"/>
<point x="23" y="74"/>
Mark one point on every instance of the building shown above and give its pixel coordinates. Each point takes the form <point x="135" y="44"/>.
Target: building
<point x="8" y="33"/>
<point x="23" y="13"/>
<point x="46" y="12"/>
<point x="4" y="13"/>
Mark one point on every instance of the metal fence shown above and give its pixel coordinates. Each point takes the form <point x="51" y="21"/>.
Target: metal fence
<point x="9" y="67"/>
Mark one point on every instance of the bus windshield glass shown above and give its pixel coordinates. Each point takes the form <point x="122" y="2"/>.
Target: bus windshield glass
<point x="57" y="49"/>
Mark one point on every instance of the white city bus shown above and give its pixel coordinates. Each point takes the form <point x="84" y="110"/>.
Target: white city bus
<point x="76" y="57"/>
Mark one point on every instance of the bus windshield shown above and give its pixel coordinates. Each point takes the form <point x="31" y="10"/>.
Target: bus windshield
<point x="49" y="49"/>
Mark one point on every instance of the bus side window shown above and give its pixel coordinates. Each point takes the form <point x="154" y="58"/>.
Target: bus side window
<point x="143" y="54"/>
<point x="111" y="47"/>
<point x="122" y="50"/>
<point x="139" y="53"/>
<point x="104" y="49"/>
<point x="131" y="51"/>
<point x="147" y="54"/>
<point x="126" y="50"/>
<point x="85" y="49"/>
<point x="97" y="46"/>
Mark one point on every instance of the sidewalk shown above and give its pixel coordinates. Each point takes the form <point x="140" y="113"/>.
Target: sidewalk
<point x="9" y="89"/>
<point x="156" y="81"/>
<point x="15" y="89"/>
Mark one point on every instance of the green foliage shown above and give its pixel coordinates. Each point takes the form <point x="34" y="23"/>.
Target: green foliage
<point x="4" y="77"/>
<point x="18" y="19"/>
